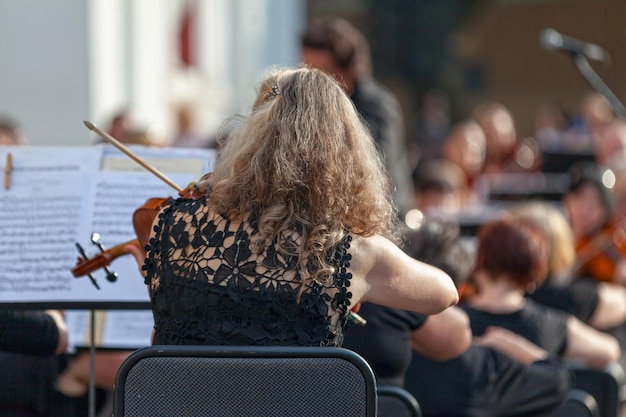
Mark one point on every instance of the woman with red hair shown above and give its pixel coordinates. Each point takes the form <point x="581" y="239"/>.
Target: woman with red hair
<point x="512" y="258"/>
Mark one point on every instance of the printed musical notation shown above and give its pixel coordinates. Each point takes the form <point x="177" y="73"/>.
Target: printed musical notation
<point x="60" y="196"/>
<point x="117" y="329"/>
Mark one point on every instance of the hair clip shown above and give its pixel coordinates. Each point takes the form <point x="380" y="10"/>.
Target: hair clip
<point x="274" y="92"/>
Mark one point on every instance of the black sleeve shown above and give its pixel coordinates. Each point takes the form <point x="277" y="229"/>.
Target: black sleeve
<point x="579" y="298"/>
<point x="519" y="390"/>
<point x="30" y="332"/>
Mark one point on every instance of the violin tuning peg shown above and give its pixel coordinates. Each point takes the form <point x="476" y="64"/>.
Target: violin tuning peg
<point x="81" y="252"/>
<point x="83" y="258"/>
<point x="112" y="276"/>
<point x="95" y="239"/>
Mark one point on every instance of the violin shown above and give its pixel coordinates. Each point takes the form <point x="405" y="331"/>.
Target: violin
<point x="142" y="222"/>
<point x="599" y="255"/>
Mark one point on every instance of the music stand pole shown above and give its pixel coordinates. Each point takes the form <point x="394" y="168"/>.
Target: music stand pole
<point x="597" y="84"/>
<point x="92" y="366"/>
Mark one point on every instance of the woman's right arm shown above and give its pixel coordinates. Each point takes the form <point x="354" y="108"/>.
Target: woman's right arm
<point x="594" y="348"/>
<point x="443" y="336"/>
<point x="383" y="274"/>
<point x="611" y="309"/>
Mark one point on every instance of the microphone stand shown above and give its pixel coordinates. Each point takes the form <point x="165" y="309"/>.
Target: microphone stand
<point x="597" y="84"/>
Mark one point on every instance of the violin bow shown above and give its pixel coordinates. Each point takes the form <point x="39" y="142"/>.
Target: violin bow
<point x="110" y="139"/>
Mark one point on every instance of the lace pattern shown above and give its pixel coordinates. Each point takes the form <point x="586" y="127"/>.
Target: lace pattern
<point x="208" y="284"/>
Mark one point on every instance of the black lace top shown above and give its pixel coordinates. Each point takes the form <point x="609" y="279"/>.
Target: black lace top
<point x="210" y="286"/>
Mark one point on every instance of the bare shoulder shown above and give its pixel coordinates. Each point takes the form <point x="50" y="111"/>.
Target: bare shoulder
<point x="367" y="251"/>
<point x="374" y="256"/>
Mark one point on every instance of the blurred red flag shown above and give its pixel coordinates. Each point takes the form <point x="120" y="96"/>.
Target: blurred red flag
<point x="186" y="34"/>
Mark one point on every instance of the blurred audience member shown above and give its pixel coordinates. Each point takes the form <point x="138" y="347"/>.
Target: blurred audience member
<point x="11" y="132"/>
<point x="551" y="122"/>
<point x="186" y="136"/>
<point x="505" y="151"/>
<point x="500" y="136"/>
<point x="465" y="146"/>
<point x="610" y="149"/>
<point x="513" y="258"/>
<point x="119" y="126"/>
<point x="439" y="187"/>
<point x="595" y="114"/>
<point x="338" y="48"/>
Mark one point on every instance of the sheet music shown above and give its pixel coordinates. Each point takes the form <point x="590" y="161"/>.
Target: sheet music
<point x="77" y="322"/>
<point x="116" y="195"/>
<point x="61" y="195"/>
<point x="41" y="218"/>
<point x="35" y="239"/>
<point x="128" y="329"/>
<point x="118" y="329"/>
<point x="51" y="159"/>
<point x="195" y="161"/>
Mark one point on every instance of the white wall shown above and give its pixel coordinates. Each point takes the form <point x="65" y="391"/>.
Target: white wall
<point x="44" y="68"/>
<point x="64" y="61"/>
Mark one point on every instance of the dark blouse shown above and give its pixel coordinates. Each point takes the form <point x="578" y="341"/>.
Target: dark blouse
<point x="210" y="285"/>
<point x="385" y="341"/>
<point x="579" y="297"/>
<point x="544" y="326"/>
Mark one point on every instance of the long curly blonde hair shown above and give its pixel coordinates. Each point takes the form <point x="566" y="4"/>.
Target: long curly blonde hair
<point x="304" y="161"/>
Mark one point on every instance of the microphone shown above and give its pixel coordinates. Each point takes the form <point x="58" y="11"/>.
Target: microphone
<point x="553" y="40"/>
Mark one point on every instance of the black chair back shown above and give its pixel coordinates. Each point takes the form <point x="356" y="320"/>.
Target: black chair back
<point x="579" y="404"/>
<point x="607" y="386"/>
<point x="199" y="381"/>
<point x="396" y="402"/>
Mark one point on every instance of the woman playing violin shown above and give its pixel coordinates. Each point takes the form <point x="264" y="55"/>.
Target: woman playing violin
<point x="295" y="228"/>
<point x="589" y="206"/>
